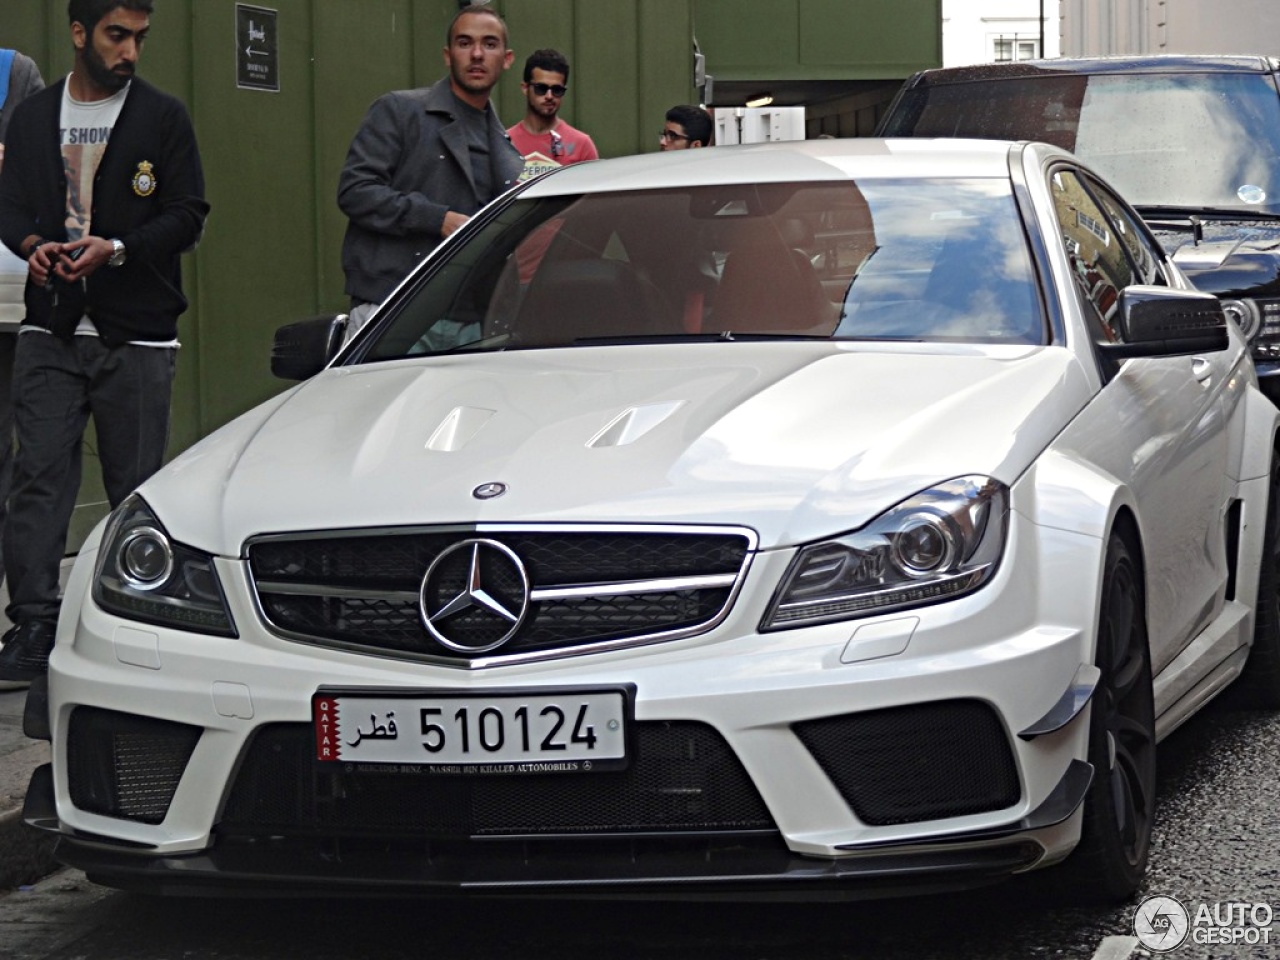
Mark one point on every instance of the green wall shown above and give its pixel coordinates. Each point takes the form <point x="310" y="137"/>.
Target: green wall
<point x="270" y="254"/>
<point x="818" y="39"/>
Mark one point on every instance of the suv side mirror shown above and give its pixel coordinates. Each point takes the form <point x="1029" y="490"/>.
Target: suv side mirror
<point x="303" y="349"/>
<point x="1165" y="322"/>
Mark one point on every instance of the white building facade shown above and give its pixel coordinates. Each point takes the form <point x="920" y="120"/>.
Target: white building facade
<point x="990" y="31"/>
<point x="1103" y="27"/>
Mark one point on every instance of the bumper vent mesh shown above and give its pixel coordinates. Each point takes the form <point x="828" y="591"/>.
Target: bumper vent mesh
<point x="683" y="778"/>
<point x="915" y="763"/>
<point x="125" y="766"/>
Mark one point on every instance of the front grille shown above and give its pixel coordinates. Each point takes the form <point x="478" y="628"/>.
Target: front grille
<point x="586" y="587"/>
<point x="682" y="778"/>
<point x="126" y="766"/>
<point x="1266" y="342"/>
<point x="914" y="763"/>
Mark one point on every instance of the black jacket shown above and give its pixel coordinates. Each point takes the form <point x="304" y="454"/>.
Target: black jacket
<point x="408" y="166"/>
<point x="142" y="299"/>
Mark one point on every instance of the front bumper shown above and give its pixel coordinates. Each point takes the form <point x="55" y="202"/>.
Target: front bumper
<point x="985" y="670"/>
<point x="743" y="866"/>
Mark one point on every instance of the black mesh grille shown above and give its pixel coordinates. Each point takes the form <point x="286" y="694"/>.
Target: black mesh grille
<point x="362" y="590"/>
<point x="125" y="766"/>
<point x="683" y="777"/>
<point x="914" y="763"/>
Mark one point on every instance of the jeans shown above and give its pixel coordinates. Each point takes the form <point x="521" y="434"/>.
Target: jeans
<point x="8" y="343"/>
<point x="57" y="385"/>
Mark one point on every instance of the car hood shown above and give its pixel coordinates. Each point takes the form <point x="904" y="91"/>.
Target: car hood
<point x="1244" y="264"/>
<point x="796" y="440"/>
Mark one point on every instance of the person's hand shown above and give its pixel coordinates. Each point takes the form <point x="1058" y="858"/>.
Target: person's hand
<point x="94" y="253"/>
<point x="41" y="260"/>
<point x="452" y="221"/>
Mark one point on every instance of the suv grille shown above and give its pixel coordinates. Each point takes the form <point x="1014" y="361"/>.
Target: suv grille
<point x="586" y="587"/>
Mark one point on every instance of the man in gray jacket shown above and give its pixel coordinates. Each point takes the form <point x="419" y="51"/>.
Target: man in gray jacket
<point x="425" y="160"/>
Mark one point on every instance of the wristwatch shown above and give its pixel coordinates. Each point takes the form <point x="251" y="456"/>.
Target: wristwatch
<point x="117" y="254"/>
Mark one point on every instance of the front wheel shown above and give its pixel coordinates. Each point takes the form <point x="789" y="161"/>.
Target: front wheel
<point x="1111" y="858"/>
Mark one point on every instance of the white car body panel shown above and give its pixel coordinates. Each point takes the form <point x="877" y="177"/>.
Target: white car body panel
<point x="776" y="439"/>
<point x="798" y="441"/>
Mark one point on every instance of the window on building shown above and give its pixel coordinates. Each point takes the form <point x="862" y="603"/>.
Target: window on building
<point x="1008" y="48"/>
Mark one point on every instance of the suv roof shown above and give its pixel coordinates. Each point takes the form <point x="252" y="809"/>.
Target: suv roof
<point x="1193" y="142"/>
<point x="1188" y="135"/>
<point x="1147" y="63"/>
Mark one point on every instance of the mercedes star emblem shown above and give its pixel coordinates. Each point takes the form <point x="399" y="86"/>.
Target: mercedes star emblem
<point x="474" y="596"/>
<point x="487" y="491"/>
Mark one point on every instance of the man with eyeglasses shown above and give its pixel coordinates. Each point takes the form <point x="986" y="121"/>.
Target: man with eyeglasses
<point x="423" y="161"/>
<point x="686" y="126"/>
<point x="545" y="140"/>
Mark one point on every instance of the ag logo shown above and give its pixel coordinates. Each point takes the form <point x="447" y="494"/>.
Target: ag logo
<point x="1161" y="923"/>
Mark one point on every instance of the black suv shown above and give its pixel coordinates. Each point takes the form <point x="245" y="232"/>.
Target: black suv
<point x="1193" y="142"/>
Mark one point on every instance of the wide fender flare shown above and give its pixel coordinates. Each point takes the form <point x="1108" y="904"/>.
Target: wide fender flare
<point x="1075" y="505"/>
<point x="1255" y="442"/>
<point x="1065" y="493"/>
<point x="1253" y="449"/>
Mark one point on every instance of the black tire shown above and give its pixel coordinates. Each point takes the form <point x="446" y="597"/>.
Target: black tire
<point x="1259" y="685"/>
<point x="1111" y="858"/>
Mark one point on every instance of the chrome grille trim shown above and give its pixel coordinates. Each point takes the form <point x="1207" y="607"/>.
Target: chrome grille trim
<point x="628" y="588"/>
<point x="574" y="614"/>
<point x="320" y="590"/>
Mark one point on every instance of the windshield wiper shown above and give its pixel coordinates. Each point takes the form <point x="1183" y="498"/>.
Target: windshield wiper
<point x="1186" y="216"/>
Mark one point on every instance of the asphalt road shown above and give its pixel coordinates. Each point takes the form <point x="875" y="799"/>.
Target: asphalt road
<point x="1217" y="840"/>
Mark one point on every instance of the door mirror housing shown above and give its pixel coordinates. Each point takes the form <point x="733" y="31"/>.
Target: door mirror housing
<point x="1165" y="322"/>
<point x="303" y="349"/>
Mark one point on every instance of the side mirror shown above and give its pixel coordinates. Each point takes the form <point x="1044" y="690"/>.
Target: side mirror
<point x="1164" y="322"/>
<point x="303" y="349"/>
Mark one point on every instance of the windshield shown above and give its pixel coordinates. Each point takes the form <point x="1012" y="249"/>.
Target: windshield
<point x="917" y="260"/>
<point x="1184" y="140"/>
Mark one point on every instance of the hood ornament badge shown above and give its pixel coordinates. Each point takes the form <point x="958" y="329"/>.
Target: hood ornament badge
<point x="474" y="596"/>
<point x="487" y="491"/>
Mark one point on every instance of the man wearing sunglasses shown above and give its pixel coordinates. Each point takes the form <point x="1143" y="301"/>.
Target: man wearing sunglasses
<point x="542" y="137"/>
<point x="685" y="126"/>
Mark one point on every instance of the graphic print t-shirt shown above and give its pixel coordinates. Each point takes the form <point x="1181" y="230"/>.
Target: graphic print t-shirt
<point x="558" y="147"/>
<point x="84" y="131"/>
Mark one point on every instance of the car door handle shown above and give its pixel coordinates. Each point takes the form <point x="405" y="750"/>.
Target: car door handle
<point x="1201" y="369"/>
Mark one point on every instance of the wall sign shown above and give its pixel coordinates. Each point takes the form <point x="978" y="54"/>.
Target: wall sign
<point x="257" y="49"/>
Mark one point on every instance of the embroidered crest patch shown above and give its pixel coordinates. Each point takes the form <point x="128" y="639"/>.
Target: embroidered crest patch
<point x="144" y="181"/>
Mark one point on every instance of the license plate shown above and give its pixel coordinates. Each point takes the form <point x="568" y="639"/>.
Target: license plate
<point x="494" y="732"/>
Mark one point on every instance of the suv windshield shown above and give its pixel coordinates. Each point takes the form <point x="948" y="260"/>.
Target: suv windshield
<point x="1201" y="140"/>
<point x="918" y="260"/>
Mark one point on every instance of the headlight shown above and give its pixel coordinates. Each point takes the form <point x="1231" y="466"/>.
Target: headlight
<point x="143" y="575"/>
<point x="940" y="544"/>
<point x="1259" y="321"/>
<point x="1246" y="315"/>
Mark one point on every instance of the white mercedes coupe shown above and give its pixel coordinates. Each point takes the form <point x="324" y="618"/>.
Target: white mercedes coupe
<point x="835" y="518"/>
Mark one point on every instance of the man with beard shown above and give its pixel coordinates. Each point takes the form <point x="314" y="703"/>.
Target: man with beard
<point x="423" y="161"/>
<point x="100" y="192"/>
<point x="545" y="140"/>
